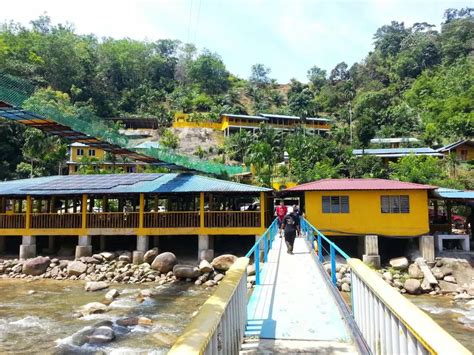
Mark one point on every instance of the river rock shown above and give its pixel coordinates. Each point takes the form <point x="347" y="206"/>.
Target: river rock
<point x="218" y="277"/>
<point x="112" y="294"/>
<point x="36" y="266"/>
<point x="205" y="267"/>
<point x="92" y="308"/>
<point x="75" y="268"/>
<point x="101" y="335"/>
<point x="447" y="287"/>
<point x="92" y="286"/>
<point x="186" y="271"/>
<point x="164" y="262"/>
<point x="400" y="263"/>
<point x="470" y="304"/>
<point x="223" y="262"/>
<point x="345" y="287"/>
<point x="144" y="321"/>
<point x="415" y="272"/>
<point x="150" y="255"/>
<point x="165" y="339"/>
<point x="108" y="256"/>
<point x="470" y="290"/>
<point x="387" y="276"/>
<point x="450" y="278"/>
<point x="412" y="286"/>
<point x="125" y="257"/>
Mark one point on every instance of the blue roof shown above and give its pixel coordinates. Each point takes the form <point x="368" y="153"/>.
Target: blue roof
<point x="455" y="194"/>
<point x="396" y="152"/>
<point x="123" y="184"/>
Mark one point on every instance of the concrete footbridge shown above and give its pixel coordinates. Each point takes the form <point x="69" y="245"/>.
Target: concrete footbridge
<point x="296" y="307"/>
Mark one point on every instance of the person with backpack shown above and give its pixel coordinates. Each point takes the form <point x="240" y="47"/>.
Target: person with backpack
<point x="291" y="226"/>
<point x="281" y="212"/>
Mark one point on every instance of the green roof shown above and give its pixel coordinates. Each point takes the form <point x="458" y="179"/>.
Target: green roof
<point x="123" y="184"/>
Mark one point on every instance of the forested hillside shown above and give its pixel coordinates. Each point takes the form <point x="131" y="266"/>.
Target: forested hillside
<point x="416" y="82"/>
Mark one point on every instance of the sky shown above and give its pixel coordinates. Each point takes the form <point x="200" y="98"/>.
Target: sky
<point x="288" y="36"/>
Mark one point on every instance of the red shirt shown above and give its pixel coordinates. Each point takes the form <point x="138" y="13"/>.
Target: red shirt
<point x="281" y="212"/>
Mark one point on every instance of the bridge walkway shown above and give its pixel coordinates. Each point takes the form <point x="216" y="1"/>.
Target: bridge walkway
<point x="293" y="309"/>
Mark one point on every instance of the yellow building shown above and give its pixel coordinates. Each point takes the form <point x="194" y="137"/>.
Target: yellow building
<point x="230" y="123"/>
<point x="81" y="154"/>
<point x="463" y="150"/>
<point x="366" y="206"/>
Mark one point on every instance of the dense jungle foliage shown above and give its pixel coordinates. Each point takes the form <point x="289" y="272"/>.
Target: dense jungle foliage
<point x="416" y="82"/>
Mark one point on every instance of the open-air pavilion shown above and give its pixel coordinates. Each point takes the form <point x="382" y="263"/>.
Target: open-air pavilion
<point x="135" y="205"/>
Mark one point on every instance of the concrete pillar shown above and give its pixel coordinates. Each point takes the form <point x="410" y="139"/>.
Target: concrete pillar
<point x="142" y="247"/>
<point x="102" y="243"/>
<point x="427" y="247"/>
<point x="84" y="247"/>
<point x="371" y="252"/>
<point x="205" y="247"/>
<point x="28" y="247"/>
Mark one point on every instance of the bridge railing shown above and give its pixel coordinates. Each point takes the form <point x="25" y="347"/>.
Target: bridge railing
<point x="387" y="321"/>
<point x="219" y="326"/>
<point x="262" y="247"/>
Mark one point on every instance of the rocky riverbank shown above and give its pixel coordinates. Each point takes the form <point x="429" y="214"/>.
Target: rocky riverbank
<point x="444" y="276"/>
<point x="117" y="267"/>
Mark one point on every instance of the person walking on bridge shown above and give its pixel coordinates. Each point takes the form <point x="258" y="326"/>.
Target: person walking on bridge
<point x="291" y="225"/>
<point x="281" y="212"/>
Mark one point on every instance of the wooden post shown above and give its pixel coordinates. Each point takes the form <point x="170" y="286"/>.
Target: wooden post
<point x="201" y="209"/>
<point x="28" y="212"/>
<point x="156" y="203"/>
<point x="449" y="215"/>
<point x="84" y="211"/>
<point x="104" y="204"/>
<point x="142" y="210"/>
<point x="262" y="209"/>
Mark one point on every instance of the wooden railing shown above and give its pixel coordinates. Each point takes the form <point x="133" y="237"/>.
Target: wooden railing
<point x="55" y="220"/>
<point x="113" y="220"/>
<point x="171" y="219"/>
<point x="232" y="219"/>
<point x="12" y="221"/>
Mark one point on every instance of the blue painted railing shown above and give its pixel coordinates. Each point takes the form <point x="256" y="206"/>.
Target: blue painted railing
<point x="265" y="242"/>
<point x="312" y="235"/>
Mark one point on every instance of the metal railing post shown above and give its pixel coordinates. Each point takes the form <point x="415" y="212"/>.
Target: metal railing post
<point x="332" y="253"/>
<point x="257" y="264"/>
<point x="320" y="249"/>
<point x="265" y="247"/>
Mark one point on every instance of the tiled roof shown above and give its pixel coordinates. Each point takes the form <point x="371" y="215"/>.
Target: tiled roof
<point x="359" y="184"/>
<point x="122" y="184"/>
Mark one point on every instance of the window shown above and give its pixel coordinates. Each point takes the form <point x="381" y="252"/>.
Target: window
<point x="80" y="152"/>
<point x="395" y="204"/>
<point x="335" y="204"/>
<point x="92" y="152"/>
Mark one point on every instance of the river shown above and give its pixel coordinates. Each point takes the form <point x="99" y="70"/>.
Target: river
<point x="456" y="319"/>
<point x="42" y="322"/>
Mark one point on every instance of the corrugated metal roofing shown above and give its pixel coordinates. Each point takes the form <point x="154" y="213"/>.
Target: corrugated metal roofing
<point x="123" y="183"/>
<point x="455" y="144"/>
<point x="394" y="140"/>
<point x="359" y="184"/>
<point x="397" y="151"/>
<point x="455" y="194"/>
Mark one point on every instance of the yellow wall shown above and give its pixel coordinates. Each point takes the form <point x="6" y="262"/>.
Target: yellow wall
<point x="99" y="153"/>
<point x="365" y="216"/>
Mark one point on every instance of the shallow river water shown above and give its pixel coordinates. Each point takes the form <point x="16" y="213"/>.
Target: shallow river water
<point x="454" y="317"/>
<point x="44" y="321"/>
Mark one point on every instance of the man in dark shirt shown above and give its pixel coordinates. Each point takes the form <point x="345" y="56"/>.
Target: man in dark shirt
<point x="291" y="225"/>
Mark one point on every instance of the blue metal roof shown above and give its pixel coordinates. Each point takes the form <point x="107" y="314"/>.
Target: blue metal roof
<point x="123" y="184"/>
<point x="455" y="194"/>
<point x="386" y="152"/>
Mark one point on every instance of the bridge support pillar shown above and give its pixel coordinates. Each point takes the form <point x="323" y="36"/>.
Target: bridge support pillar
<point x="427" y="247"/>
<point x="205" y="247"/>
<point x="371" y="251"/>
<point x="27" y="247"/>
<point x="142" y="247"/>
<point x="103" y="243"/>
<point x="84" y="246"/>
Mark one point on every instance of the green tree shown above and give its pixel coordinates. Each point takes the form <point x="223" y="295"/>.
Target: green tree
<point x="317" y="77"/>
<point x="209" y="73"/>
<point x="419" y="169"/>
<point x="169" y="139"/>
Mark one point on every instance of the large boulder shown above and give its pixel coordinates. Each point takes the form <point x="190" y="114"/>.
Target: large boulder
<point x="76" y="268"/>
<point x="415" y="272"/>
<point x="92" y="308"/>
<point x="447" y="287"/>
<point x="205" y="267"/>
<point x="413" y="286"/>
<point x="92" y="286"/>
<point x="36" y="266"/>
<point x="223" y="262"/>
<point x="186" y="271"/>
<point x="150" y="255"/>
<point x="101" y="335"/>
<point x="400" y="263"/>
<point x="164" y="262"/>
